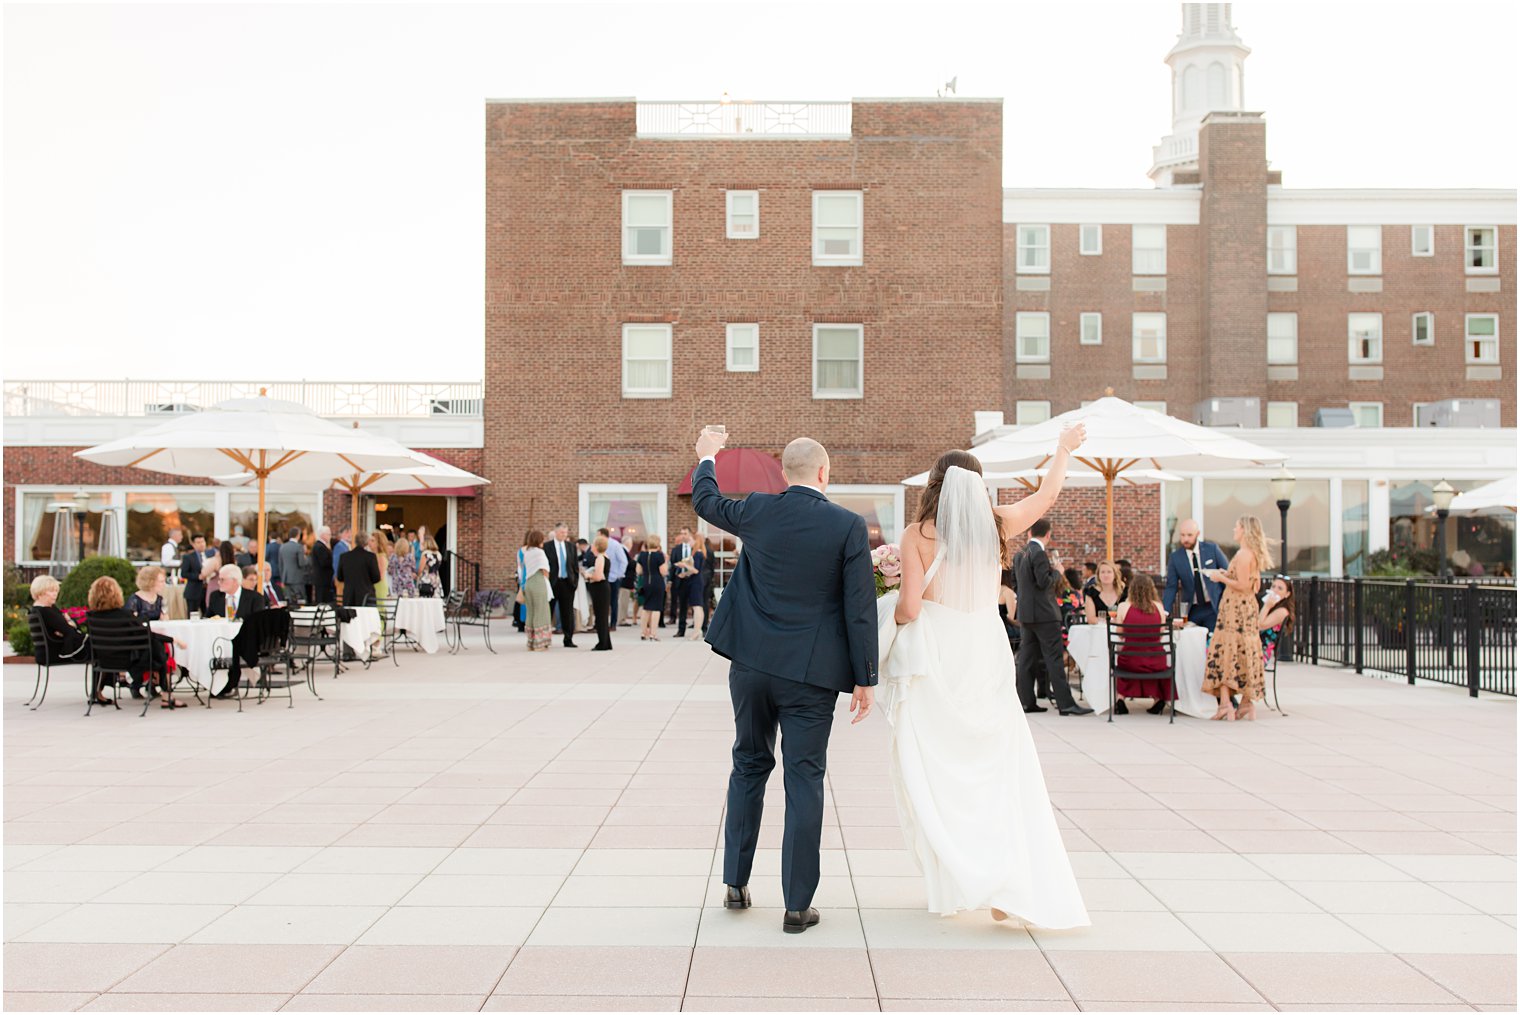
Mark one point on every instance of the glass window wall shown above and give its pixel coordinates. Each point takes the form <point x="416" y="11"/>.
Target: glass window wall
<point x="1225" y="500"/>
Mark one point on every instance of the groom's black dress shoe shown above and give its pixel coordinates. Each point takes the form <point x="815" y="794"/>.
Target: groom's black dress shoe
<point x="736" y="898"/>
<point x="1077" y="710"/>
<point x="795" y="923"/>
<point x="1036" y="708"/>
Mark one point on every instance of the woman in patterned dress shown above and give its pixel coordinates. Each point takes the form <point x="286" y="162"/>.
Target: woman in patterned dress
<point x="1234" y="665"/>
<point x="402" y="571"/>
<point x="1277" y="611"/>
<point x="538" y="621"/>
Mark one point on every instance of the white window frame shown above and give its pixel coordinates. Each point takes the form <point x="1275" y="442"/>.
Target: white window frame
<point x="631" y="258"/>
<point x="1154" y="406"/>
<point x="1353" y="247"/>
<point x="1134" y="324"/>
<point x="1288" y="262"/>
<point x="1414" y="241"/>
<point x="1467" y="343"/>
<point x="1035" y="406"/>
<point x="1414" y="410"/>
<point x="1357" y="407"/>
<point x="1278" y="360"/>
<point x="1290" y="407"/>
<point x="729" y="333"/>
<point x="661" y="509"/>
<point x="669" y="362"/>
<point x="895" y="489"/>
<point x="1083" y="247"/>
<point x="1430" y="328"/>
<point x="1019" y="356"/>
<point x="1095" y="318"/>
<point x="841" y="260"/>
<point x="1150" y="231"/>
<point x="860" y="374"/>
<point x="728" y="214"/>
<point x="1352" y="352"/>
<point x="1468" y="247"/>
<point x="1020" y="247"/>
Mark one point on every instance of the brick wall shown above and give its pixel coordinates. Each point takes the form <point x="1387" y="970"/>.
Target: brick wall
<point x="1232" y="160"/>
<point x="929" y="296"/>
<point x="1078" y="524"/>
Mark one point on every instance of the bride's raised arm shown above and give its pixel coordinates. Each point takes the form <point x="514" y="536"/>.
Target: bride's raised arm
<point x="1018" y="517"/>
<point x="910" y="591"/>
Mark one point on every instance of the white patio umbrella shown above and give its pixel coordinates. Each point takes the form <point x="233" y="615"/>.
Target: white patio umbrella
<point x="262" y="436"/>
<point x="1080" y="475"/>
<point x="1120" y="437"/>
<point x="1490" y="498"/>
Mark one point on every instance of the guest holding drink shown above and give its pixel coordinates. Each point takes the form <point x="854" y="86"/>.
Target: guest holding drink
<point x="538" y="618"/>
<point x="1277" y="614"/>
<point x="1106" y="593"/>
<point x="599" y="588"/>
<point x="1141" y="611"/>
<point x="1234" y="665"/>
<point x="651" y="571"/>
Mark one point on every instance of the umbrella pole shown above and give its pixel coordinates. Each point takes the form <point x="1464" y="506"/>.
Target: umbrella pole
<point x="263" y="522"/>
<point x="1108" y="495"/>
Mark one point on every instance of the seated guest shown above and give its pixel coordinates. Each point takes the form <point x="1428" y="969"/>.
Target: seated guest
<point x="273" y="594"/>
<point x="402" y="573"/>
<point x="147" y="605"/>
<point x="1089" y="575"/>
<point x="1106" y="593"/>
<point x="1139" y="652"/>
<point x="1126" y="570"/>
<point x="243" y="555"/>
<point x="1070" y="599"/>
<point x="243" y="604"/>
<point x="105" y="603"/>
<point x="1276" y="618"/>
<point x="65" y="641"/>
<point x="1008" y="609"/>
<point x="227" y="553"/>
<point x="359" y="570"/>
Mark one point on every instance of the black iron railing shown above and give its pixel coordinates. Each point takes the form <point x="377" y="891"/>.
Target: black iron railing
<point x="1451" y="632"/>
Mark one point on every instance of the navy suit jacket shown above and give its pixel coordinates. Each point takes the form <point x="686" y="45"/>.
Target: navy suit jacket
<point x="1179" y="574"/>
<point x="801" y="604"/>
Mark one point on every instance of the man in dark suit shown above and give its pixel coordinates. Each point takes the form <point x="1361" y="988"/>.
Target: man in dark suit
<point x="295" y="568"/>
<point x="680" y="581"/>
<point x="190" y="570"/>
<point x="1040" y="624"/>
<point x="1186" y="571"/>
<point x="245" y="603"/>
<point x="322" y="567"/>
<point x="359" y="570"/>
<point x="797" y="623"/>
<point x="564" y="576"/>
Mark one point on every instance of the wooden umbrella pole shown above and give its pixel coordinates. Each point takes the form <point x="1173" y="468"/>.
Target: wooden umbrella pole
<point x="263" y="474"/>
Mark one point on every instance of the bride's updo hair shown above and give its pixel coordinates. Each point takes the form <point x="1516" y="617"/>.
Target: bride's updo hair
<point x="928" y="505"/>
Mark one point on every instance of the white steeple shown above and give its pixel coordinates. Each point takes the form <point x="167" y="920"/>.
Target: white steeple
<point x="1208" y="74"/>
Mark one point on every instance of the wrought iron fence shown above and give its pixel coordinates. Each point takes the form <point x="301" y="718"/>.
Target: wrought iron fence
<point x="749" y="118"/>
<point x="1452" y="632"/>
<point x="164" y="398"/>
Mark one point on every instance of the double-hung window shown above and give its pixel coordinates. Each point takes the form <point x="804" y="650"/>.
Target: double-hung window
<point x="1092" y="328"/>
<point x="1367" y="414"/>
<point x="1282" y="339"/>
<point x="646" y="361"/>
<point x="838" y="361"/>
<point x="1090" y="242"/>
<point x="742" y="212"/>
<point x="1282" y="414"/>
<point x="1029" y="413"/>
<point x="1148" y="250"/>
<point x="1031" y="337"/>
<point x="1149" y="337"/>
<point x="1033" y="250"/>
<point x="743" y="348"/>
<point x="1424" y="328"/>
<point x="1422" y="241"/>
<point x="1482" y="338"/>
<point x="837" y="217"/>
<point x="1364" y="250"/>
<point x="1482" y="250"/>
<point x="1365" y="335"/>
<point x="1282" y="250"/>
<point x="646" y="226"/>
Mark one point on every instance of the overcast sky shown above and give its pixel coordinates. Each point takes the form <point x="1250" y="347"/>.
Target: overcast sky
<point x="295" y="191"/>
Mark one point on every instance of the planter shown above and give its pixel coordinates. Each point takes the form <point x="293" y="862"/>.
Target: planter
<point x="23" y="660"/>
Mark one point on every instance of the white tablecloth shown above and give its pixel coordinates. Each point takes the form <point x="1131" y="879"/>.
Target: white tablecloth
<point x="422" y="618"/>
<point x="363" y="631"/>
<point x="1088" y="645"/>
<point x="200" y="636"/>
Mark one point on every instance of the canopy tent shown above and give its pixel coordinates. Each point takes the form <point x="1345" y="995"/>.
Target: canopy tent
<point x="262" y="436"/>
<point x="1121" y="437"/>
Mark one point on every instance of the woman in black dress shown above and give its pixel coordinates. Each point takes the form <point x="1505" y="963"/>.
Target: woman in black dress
<point x="105" y="604"/>
<point x="696" y="593"/>
<point x="1105" y="595"/>
<point x="65" y="642"/>
<point x="652" y="568"/>
<point x="147" y="605"/>
<point x="600" y="591"/>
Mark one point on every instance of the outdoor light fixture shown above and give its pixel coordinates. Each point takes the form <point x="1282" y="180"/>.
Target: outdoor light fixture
<point x="1282" y="492"/>
<point x="1442" y="493"/>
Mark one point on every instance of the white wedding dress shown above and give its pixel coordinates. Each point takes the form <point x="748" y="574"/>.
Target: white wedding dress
<point x="970" y="793"/>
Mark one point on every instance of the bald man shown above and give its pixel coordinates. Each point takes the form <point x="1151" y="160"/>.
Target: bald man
<point x="1185" y="574"/>
<point x="797" y="623"/>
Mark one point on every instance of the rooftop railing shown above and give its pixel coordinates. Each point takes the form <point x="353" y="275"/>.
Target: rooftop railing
<point x="166" y="398"/>
<point x="738" y="119"/>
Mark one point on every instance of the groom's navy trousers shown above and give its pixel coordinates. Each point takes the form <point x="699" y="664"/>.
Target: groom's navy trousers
<point x="805" y="714"/>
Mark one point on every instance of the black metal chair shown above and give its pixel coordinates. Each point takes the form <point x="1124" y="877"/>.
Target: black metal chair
<point x="391" y="635"/>
<point x="459" y="613"/>
<point x="120" y="645"/>
<point x="314" y="635"/>
<point x="1141" y="641"/>
<point x="45" y="656"/>
<point x="1269" y="665"/>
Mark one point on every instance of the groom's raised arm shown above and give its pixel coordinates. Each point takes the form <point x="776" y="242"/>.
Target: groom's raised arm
<point x="860" y="604"/>
<point x="710" y="504"/>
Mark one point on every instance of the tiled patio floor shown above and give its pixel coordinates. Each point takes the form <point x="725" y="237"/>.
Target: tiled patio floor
<point x="518" y="832"/>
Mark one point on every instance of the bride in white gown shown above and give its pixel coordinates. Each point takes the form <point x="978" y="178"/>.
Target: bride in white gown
<point x="970" y="793"/>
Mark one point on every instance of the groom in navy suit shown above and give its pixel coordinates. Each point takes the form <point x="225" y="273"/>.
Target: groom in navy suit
<point x="797" y="622"/>
<point x="1185" y="574"/>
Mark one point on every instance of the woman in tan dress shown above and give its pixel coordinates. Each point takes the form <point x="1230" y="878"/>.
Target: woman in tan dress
<point x="1234" y="665"/>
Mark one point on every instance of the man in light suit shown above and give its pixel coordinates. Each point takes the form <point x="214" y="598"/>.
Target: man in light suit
<point x="1185" y="573"/>
<point x="797" y="623"/>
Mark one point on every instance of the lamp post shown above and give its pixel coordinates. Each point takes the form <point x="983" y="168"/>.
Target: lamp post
<point x="1442" y="493"/>
<point x="1282" y="492"/>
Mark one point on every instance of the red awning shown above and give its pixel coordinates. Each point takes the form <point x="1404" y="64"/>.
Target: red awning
<point x="431" y="491"/>
<point x="744" y="470"/>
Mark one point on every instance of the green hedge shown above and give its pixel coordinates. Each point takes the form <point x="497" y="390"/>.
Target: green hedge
<point x="19" y="633"/>
<point x="76" y="587"/>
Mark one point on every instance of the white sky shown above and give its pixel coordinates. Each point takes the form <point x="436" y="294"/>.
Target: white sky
<point x="281" y="192"/>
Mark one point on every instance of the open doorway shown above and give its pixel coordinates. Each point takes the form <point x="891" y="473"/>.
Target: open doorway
<point x="395" y="516"/>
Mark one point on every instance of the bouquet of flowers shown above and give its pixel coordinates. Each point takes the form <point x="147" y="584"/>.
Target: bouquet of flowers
<point x="886" y="561"/>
